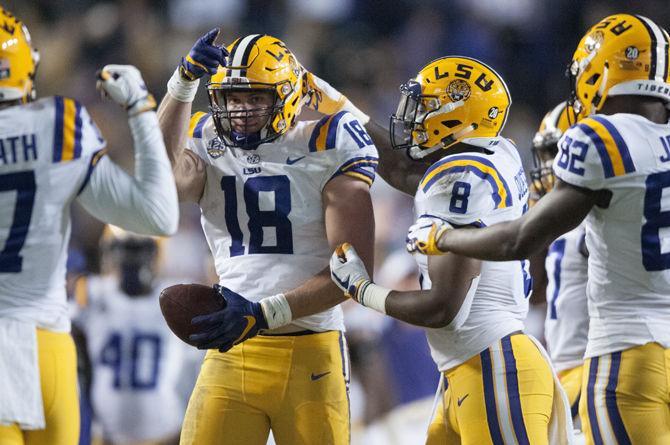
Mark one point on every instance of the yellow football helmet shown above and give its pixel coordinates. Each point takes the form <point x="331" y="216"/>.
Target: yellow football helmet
<point x="257" y="63"/>
<point x="621" y="55"/>
<point x="18" y="60"/>
<point x="451" y="100"/>
<point x="545" y="147"/>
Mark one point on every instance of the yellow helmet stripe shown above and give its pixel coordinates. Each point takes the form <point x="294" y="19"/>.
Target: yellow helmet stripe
<point x="658" y="68"/>
<point x="614" y="154"/>
<point x="482" y="168"/>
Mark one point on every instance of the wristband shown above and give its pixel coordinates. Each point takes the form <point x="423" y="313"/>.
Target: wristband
<point x="181" y="89"/>
<point x="276" y="310"/>
<point x="373" y="296"/>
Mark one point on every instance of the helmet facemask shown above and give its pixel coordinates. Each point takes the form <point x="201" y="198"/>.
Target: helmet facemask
<point x="407" y="125"/>
<point x="542" y="174"/>
<point x="240" y="125"/>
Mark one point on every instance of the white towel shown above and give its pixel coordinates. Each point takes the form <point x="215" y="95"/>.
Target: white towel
<point x="561" y="431"/>
<point x="21" y="400"/>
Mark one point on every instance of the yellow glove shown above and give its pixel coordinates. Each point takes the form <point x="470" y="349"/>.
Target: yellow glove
<point x="424" y="235"/>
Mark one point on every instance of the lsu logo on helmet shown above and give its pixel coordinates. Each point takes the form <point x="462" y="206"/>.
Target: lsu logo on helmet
<point x="451" y="99"/>
<point x="621" y="55"/>
<point x="258" y="63"/>
<point x="545" y="147"/>
<point x="18" y="60"/>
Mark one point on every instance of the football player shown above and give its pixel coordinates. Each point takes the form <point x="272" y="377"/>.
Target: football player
<point x="564" y="266"/>
<point x="136" y="359"/>
<point x="613" y="168"/>
<point x="52" y="153"/>
<point x="276" y="195"/>
<point x="472" y="310"/>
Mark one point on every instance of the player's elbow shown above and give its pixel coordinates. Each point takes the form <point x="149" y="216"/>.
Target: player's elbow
<point x="439" y="313"/>
<point x="163" y="220"/>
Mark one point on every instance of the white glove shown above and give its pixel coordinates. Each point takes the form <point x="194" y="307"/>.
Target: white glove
<point x="325" y="99"/>
<point x="124" y="85"/>
<point x="349" y="274"/>
<point x="424" y="235"/>
<point x="347" y="270"/>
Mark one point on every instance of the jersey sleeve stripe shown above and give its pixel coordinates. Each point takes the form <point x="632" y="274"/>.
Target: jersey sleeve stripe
<point x="622" y="148"/>
<point x="364" y="176"/>
<point x="58" y="130"/>
<point x="91" y="165"/>
<point x="605" y="160"/>
<point x="332" y="130"/>
<point x="196" y="124"/>
<point x="317" y="140"/>
<point x="612" y="149"/>
<point x="325" y="132"/>
<point x="363" y="161"/>
<point x="502" y="197"/>
<point x="71" y="130"/>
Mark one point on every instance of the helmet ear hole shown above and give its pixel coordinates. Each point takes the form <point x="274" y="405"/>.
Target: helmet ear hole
<point x="451" y="123"/>
<point x="593" y="79"/>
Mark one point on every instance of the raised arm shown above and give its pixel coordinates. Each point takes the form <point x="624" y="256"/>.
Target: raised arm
<point x="175" y="111"/>
<point x="397" y="169"/>
<point x="146" y="203"/>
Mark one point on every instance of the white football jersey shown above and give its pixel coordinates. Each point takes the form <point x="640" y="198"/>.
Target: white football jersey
<point x="478" y="189"/>
<point x="567" y="324"/>
<point x="137" y="362"/>
<point x="629" y="241"/>
<point x="48" y="149"/>
<point x="262" y="210"/>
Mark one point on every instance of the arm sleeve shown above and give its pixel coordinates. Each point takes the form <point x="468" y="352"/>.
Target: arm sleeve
<point x="146" y="203"/>
<point x="353" y="153"/>
<point x="592" y="152"/>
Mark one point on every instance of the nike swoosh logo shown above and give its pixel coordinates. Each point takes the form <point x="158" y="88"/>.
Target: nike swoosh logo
<point x="251" y="322"/>
<point x="460" y="400"/>
<point x="290" y="161"/>
<point x="318" y="376"/>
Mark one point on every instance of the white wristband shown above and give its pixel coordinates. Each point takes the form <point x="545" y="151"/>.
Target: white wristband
<point x="373" y="296"/>
<point x="181" y="89"/>
<point x="276" y="310"/>
<point x="358" y="114"/>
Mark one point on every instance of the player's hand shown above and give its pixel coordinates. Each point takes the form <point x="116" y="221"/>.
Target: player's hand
<point x="348" y="271"/>
<point x="125" y="86"/>
<point x="204" y="57"/>
<point x="325" y="99"/>
<point x="424" y="235"/>
<point x="240" y="320"/>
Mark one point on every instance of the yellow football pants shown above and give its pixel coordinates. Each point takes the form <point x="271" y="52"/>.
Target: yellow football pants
<point x="627" y="397"/>
<point x="296" y="385"/>
<point x="500" y="396"/>
<point x="571" y="381"/>
<point x="58" y="376"/>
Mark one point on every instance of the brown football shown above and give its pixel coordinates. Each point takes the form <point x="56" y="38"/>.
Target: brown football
<point x="181" y="302"/>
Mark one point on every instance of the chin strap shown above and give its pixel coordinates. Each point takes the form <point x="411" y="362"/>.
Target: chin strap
<point x="417" y="152"/>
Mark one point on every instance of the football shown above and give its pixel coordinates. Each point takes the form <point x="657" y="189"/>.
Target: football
<point x="181" y="302"/>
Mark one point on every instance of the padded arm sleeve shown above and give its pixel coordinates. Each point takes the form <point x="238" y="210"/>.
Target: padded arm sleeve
<point x="145" y="204"/>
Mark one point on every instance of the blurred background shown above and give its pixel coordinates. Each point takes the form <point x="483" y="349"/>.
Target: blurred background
<point x="365" y="48"/>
